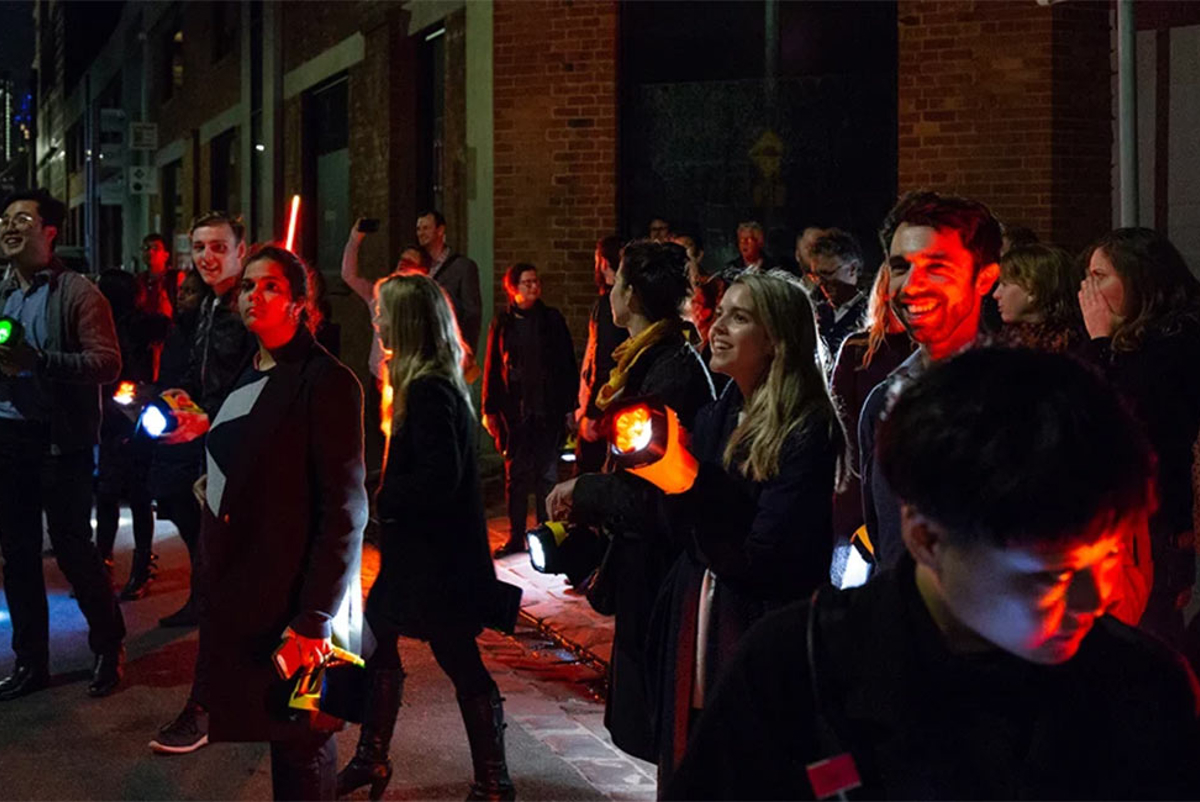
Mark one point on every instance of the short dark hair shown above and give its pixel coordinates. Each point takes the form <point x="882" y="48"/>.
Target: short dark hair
<point x="215" y="218"/>
<point x="1015" y="447"/>
<point x="658" y="273"/>
<point x="609" y="248"/>
<point x="512" y="276"/>
<point x="52" y="211"/>
<point x="841" y="244"/>
<point x="1019" y="236"/>
<point x="977" y="227"/>
<point x="690" y="230"/>
<point x="302" y="282"/>
<point x="424" y="254"/>
<point x="154" y="236"/>
<point x="1160" y="291"/>
<point x="439" y="219"/>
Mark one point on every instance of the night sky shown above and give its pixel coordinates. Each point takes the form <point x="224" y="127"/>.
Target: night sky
<point x="16" y="39"/>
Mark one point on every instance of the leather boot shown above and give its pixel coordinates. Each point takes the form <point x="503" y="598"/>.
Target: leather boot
<point x="371" y="764"/>
<point x="483" y="716"/>
<point x="140" y="574"/>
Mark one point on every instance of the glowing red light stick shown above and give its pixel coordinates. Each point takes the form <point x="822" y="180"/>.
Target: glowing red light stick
<point x="295" y="215"/>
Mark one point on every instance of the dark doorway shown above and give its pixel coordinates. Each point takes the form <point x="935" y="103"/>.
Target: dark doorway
<point x="327" y="173"/>
<point x="784" y="113"/>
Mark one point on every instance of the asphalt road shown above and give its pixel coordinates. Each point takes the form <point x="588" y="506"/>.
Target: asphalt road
<point x="59" y="744"/>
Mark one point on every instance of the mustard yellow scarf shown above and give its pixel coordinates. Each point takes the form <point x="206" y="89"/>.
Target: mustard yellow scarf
<point x="627" y="354"/>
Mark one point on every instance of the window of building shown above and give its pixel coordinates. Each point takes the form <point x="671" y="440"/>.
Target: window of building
<point x="431" y="104"/>
<point x="224" y="172"/>
<point x="224" y="29"/>
<point x="172" y="61"/>
<point x="74" y="148"/>
<point x="326" y="172"/>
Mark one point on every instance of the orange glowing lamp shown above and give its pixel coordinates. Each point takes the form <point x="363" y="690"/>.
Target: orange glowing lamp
<point x="126" y="394"/>
<point x="293" y="218"/>
<point x="647" y="440"/>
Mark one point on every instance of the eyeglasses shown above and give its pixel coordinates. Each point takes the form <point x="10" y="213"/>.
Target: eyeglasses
<point x="529" y="282"/>
<point x="19" y="221"/>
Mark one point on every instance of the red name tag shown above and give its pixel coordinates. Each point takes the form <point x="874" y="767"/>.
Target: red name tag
<point x="834" y="775"/>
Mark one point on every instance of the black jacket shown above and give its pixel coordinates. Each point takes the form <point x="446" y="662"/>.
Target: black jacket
<point x="767" y="543"/>
<point x="436" y="571"/>
<point x="644" y="548"/>
<point x="284" y="547"/>
<point x="459" y="277"/>
<point x="221" y="350"/>
<point x="1117" y="721"/>
<point x="603" y="338"/>
<point x="508" y="372"/>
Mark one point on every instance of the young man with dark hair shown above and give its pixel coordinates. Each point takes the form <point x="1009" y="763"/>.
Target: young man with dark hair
<point x="942" y="261"/>
<point x="529" y="384"/>
<point x="984" y="666"/>
<point x="221" y="350"/>
<point x="159" y="283"/>
<point x="458" y="275"/>
<point x="61" y="349"/>
<point x="834" y="265"/>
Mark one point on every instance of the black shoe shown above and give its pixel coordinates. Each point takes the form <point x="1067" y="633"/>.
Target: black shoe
<point x="185" y="616"/>
<point x="107" y="673"/>
<point x="483" y="717"/>
<point x="371" y="764"/>
<point x="187" y="733"/>
<point x="25" y="679"/>
<point x="140" y="576"/>
<point x="511" y="547"/>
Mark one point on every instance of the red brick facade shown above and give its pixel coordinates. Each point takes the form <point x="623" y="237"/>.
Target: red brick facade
<point x="1008" y="102"/>
<point x="555" y="144"/>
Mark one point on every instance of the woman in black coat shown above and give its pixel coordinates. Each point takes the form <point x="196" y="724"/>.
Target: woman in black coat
<point x="757" y="523"/>
<point x="603" y="338"/>
<point x="1141" y="307"/>
<point x="436" y="581"/>
<point x="656" y="360"/>
<point x="281" y="542"/>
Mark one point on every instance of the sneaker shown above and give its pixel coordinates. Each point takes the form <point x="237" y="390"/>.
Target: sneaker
<point x="187" y="733"/>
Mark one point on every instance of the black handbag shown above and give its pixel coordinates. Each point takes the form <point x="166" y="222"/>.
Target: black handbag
<point x="601" y="586"/>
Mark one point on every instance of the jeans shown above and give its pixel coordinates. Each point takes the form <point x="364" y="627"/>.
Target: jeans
<point x="530" y="466"/>
<point x="33" y="480"/>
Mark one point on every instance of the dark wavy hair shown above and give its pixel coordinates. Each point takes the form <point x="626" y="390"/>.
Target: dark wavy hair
<point x="1160" y="292"/>
<point x="610" y="248"/>
<point x="974" y="222"/>
<point x="658" y="273"/>
<point x="300" y="278"/>
<point x="235" y="222"/>
<point x="970" y="446"/>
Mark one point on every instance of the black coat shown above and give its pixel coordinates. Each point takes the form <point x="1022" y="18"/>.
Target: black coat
<point x="768" y="543"/>
<point x="644" y="548"/>
<point x="1117" y="721"/>
<point x="285" y="546"/>
<point x="459" y="277"/>
<point x="507" y="371"/>
<point x="436" y="572"/>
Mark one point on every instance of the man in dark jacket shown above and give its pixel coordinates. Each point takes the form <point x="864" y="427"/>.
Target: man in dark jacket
<point x="528" y="396"/>
<point x="943" y="255"/>
<point x="61" y="347"/>
<point x="840" y="305"/>
<point x="984" y="666"/>
<point x="458" y="275"/>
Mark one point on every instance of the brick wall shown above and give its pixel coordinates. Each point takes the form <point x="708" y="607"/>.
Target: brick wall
<point x="993" y="97"/>
<point x="555" y="144"/>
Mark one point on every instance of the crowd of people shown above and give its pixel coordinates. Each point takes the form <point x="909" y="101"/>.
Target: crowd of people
<point x="1003" y="436"/>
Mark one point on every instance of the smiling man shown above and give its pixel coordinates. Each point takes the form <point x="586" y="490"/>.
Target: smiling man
<point x="985" y="665"/>
<point x="943" y="254"/>
<point x="50" y="409"/>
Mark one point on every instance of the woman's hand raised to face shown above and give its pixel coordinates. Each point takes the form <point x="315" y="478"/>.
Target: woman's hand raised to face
<point x="1098" y="317"/>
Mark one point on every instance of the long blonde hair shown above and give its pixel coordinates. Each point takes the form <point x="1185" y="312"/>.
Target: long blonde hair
<point x="420" y="336"/>
<point x="793" y="395"/>
<point x="881" y="320"/>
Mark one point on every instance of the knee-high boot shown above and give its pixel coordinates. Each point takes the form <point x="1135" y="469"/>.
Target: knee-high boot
<point x="371" y="764"/>
<point x="483" y="716"/>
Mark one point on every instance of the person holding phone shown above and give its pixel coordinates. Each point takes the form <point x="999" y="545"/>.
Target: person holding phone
<point x="284" y="510"/>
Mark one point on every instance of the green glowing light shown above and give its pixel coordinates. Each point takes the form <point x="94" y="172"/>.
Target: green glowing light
<point x="6" y="330"/>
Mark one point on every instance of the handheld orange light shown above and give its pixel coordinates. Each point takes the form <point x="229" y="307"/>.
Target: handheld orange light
<point x="292" y="219"/>
<point x="125" y="394"/>
<point x="647" y="440"/>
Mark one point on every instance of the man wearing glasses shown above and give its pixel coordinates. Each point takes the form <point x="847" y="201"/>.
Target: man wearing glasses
<point x="529" y="391"/>
<point x="51" y="369"/>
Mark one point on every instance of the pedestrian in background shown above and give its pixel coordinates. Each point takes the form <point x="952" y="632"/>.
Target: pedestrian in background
<point x="603" y="338"/>
<point x="1036" y="294"/>
<point x="528" y="396"/>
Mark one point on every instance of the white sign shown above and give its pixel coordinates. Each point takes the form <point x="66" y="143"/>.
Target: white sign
<point x="143" y="180"/>
<point x="143" y="136"/>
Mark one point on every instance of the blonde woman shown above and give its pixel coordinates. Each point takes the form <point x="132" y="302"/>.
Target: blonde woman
<point x="757" y="523"/>
<point x="436" y="580"/>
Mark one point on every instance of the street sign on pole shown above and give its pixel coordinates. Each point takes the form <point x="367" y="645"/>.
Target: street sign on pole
<point x="143" y="180"/>
<point x="143" y="136"/>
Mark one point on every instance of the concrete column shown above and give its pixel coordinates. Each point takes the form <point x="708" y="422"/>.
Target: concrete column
<point x="481" y="230"/>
